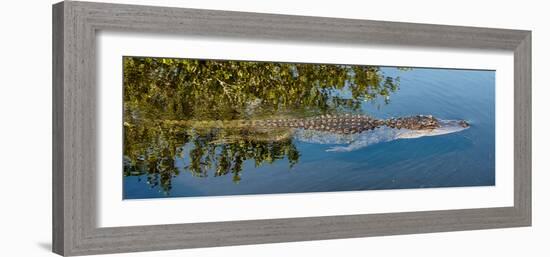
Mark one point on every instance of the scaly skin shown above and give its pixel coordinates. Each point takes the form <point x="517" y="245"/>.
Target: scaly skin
<point x="340" y="124"/>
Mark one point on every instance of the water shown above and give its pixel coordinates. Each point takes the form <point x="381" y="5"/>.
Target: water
<point x="464" y="158"/>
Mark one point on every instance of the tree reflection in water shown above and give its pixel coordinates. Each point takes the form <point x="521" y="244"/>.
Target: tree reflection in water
<point x="157" y="90"/>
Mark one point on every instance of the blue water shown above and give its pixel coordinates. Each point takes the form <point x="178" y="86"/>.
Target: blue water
<point x="465" y="158"/>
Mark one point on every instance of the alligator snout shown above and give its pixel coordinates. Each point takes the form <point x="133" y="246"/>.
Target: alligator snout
<point x="464" y="124"/>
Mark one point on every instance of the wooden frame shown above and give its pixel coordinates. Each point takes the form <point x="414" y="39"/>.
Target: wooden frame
<point x="74" y="130"/>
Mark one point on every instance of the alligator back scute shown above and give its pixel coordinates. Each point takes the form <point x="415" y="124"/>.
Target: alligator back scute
<point x="342" y="124"/>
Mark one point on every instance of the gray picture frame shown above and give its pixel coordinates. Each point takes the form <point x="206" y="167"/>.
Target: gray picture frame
<point x="75" y="25"/>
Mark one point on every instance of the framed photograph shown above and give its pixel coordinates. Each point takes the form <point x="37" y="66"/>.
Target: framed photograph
<point x="182" y="128"/>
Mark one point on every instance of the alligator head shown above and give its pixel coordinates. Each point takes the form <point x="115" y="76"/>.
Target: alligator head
<point x="443" y="127"/>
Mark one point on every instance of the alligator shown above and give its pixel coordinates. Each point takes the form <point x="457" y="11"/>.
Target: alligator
<point x="339" y="124"/>
<point x="352" y="142"/>
<point x="354" y="130"/>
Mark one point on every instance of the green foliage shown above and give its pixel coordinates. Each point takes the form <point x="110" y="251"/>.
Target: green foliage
<point x="209" y="89"/>
<point x="160" y="89"/>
